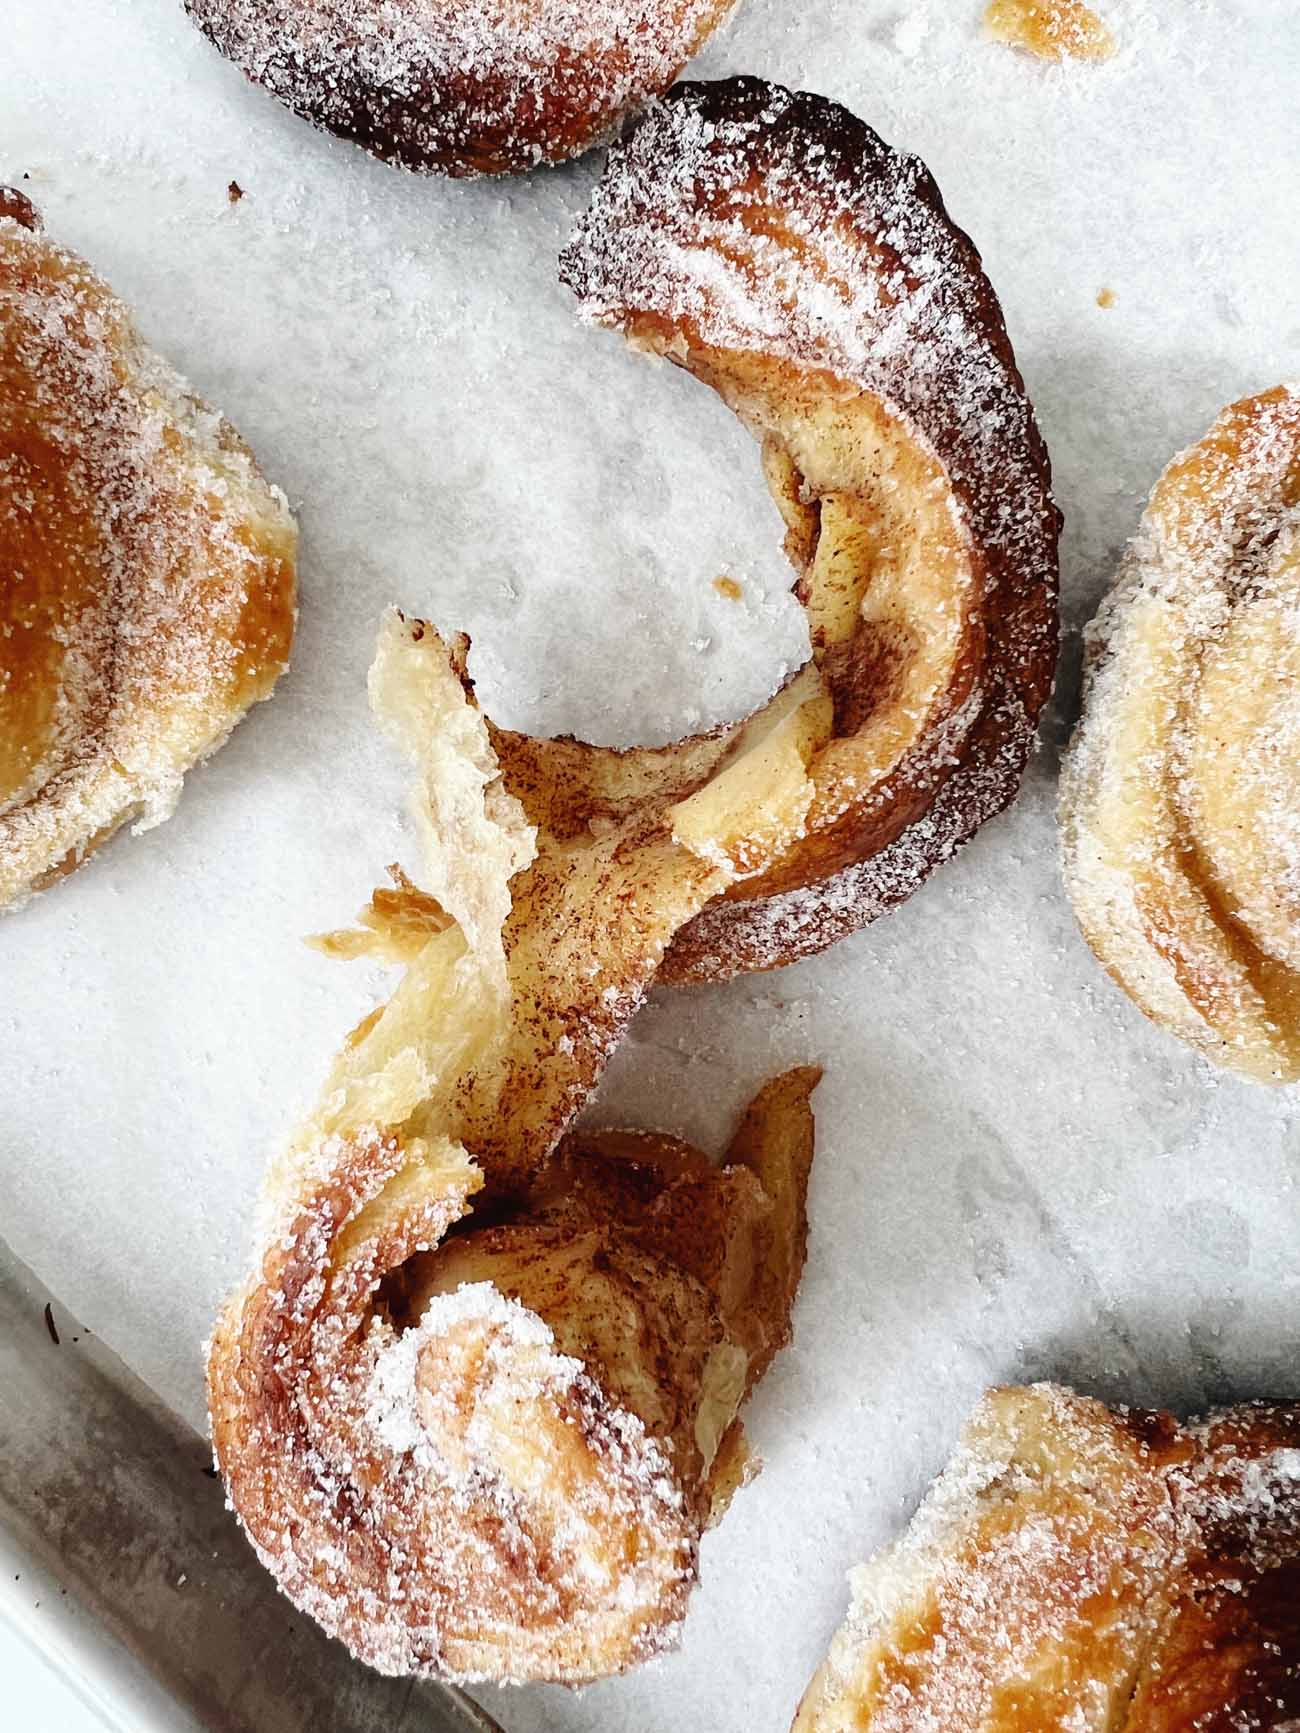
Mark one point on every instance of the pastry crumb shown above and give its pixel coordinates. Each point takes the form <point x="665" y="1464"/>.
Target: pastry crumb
<point x="18" y="206"/>
<point x="1105" y="297"/>
<point x="729" y="588"/>
<point x="1051" y="29"/>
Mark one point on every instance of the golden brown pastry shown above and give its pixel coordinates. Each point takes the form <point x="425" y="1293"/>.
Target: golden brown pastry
<point x="771" y="244"/>
<point x="462" y="87"/>
<point x="1180" y="798"/>
<point x="1227" y="1651"/>
<point x="1051" y="29"/>
<point x="146" y="567"/>
<point x="479" y="1397"/>
<point x="1078" y="1569"/>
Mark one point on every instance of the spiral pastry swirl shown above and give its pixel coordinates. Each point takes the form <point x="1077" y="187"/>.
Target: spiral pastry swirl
<point x="1180" y="800"/>
<point x="479" y="1397"/>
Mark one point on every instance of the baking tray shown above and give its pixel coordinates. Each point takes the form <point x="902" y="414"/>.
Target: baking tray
<point x="1016" y="1176"/>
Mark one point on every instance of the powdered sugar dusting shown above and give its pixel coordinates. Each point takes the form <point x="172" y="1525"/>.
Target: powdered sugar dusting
<point x="422" y="1470"/>
<point x="743" y="219"/>
<point x="1060" y="1571"/>
<point x="353" y="321"/>
<point x="392" y="1410"/>
<point x="456" y="1498"/>
<point x="784" y="228"/>
<point x="474" y="86"/>
<point x="1181" y="798"/>
<point x="150" y="584"/>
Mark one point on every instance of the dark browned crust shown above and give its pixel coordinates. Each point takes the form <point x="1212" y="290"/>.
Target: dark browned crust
<point x="1228" y="1654"/>
<point x="883" y="848"/>
<point x="18" y="206"/>
<point x="460" y="121"/>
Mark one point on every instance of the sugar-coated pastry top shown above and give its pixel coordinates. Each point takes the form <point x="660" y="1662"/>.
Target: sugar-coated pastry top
<point x="1180" y="799"/>
<point x="146" y="567"/>
<point x="462" y="87"/>
<point x="771" y="244"/>
<point x="1083" y="1569"/>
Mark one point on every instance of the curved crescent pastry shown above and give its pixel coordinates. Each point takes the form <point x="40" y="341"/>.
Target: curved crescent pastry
<point x="462" y="87"/>
<point x="1180" y="799"/>
<point x="771" y="244"/>
<point x="1078" y="1567"/>
<point x="482" y="1440"/>
<point x="146" y="568"/>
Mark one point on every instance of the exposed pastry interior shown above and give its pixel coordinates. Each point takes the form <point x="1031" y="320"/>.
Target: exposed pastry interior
<point x="774" y="247"/>
<point x="479" y="1397"/>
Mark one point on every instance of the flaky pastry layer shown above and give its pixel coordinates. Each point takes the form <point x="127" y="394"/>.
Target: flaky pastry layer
<point x="1180" y="796"/>
<point x="479" y="1397"/>
<point x="147" y="569"/>
<point x="773" y="246"/>
<point x="1082" y="1568"/>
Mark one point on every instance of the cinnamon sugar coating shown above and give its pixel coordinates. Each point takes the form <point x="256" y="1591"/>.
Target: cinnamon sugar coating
<point x="147" y="569"/>
<point x="479" y="1397"/>
<point x="1082" y="1568"/>
<point x="772" y="245"/>
<point x="462" y="87"/>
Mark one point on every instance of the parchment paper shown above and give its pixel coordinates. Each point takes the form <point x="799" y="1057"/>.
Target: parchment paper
<point x="1016" y="1175"/>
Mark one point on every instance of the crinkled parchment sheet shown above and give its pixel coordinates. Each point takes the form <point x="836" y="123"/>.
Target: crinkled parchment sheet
<point x="1016" y="1176"/>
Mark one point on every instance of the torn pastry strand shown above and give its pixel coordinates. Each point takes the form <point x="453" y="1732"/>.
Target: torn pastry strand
<point x="1077" y="1567"/>
<point x="773" y="246"/>
<point x="480" y="1396"/>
